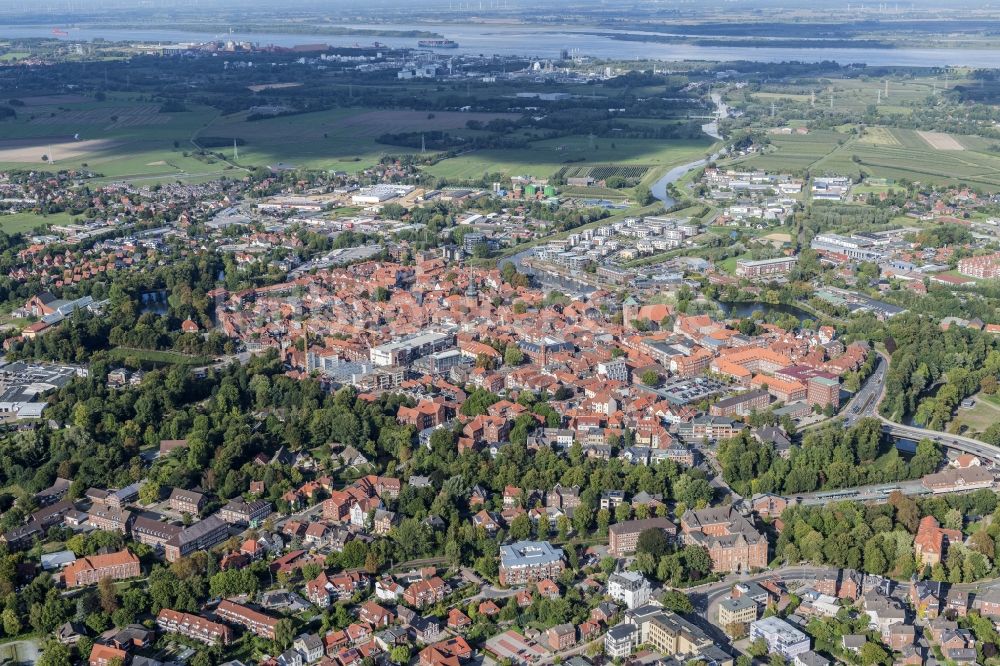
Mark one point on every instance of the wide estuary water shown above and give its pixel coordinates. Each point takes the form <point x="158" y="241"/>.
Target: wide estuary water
<point x="545" y="42"/>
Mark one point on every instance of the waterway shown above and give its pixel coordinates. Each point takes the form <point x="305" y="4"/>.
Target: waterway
<point x="544" y="42"/>
<point x="743" y="309"/>
<point x="659" y="188"/>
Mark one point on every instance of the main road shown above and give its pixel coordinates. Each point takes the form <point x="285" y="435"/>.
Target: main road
<point x="706" y="598"/>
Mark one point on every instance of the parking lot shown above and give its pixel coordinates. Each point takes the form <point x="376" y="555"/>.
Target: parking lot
<point x="687" y="390"/>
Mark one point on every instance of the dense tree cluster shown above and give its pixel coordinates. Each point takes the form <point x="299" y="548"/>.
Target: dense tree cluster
<point x="828" y="458"/>
<point x="878" y="538"/>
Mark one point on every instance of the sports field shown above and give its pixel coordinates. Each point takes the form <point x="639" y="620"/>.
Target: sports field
<point x="19" y="223"/>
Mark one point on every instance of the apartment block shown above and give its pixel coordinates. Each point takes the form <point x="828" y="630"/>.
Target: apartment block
<point x="194" y="627"/>
<point x="529" y="561"/>
<point x="202" y="535"/>
<point x="623" y="537"/>
<point x="254" y="621"/>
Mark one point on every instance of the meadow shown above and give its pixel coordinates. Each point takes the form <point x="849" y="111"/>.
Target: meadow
<point x="886" y="152"/>
<point x="543" y="158"/>
<point x="121" y="138"/>
<point x="852" y="95"/>
<point x="128" y="138"/>
<point x="338" y="139"/>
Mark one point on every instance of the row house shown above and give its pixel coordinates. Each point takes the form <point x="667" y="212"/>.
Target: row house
<point x="194" y="627"/>
<point x="252" y="620"/>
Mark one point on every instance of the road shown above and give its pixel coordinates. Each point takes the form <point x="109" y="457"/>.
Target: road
<point x="706" y="598"/>
<point x="865" y="402"/>
<point x="988" y="452"/>
<point x="870" y="396"/>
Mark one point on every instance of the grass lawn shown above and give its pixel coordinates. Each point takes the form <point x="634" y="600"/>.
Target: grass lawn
<point x="19" y="223"/>
<point x="728" y="265"/>
<point x="985" y="413"/>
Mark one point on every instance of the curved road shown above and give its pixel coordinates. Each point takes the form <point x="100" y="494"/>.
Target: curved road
<point x="706" y="598"/>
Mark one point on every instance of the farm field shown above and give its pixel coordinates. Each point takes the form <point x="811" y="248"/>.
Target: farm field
<point x="342" y="139"/>
<point x="892" y="153"/>
<point x="795" y="152"/>
<point x="544" y="158"/>
<point x="853" y="94"/>
<point x="119" y="138"/>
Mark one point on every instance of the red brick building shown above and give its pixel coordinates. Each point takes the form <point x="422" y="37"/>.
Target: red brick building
<point x="254" y="621"/>
<point x="823" y="390"/>
<point x="90" y="570"/>
<point x="733" y="543"/>
<point x="193" y="626"/>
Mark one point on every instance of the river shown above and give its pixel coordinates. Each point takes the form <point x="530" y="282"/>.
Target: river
<point x="743" y="309"/>
<point x="544" y="42"/>
<point x="659" y="188"/>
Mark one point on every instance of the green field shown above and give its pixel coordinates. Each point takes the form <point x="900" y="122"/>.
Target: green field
<point x="854" y="94"/>
<point x="19" y="223"/>
<point x="985" y="413"/>
<point x="340" y="139"/>
<point x="797" y="152"/>
<point x="890" y="153"/>
<point x="121" y="138"/>
<point x="544" y="158"/>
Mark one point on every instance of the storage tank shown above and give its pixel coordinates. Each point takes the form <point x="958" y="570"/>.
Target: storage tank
<point x="550" y="190"/>
<point x="529" y="190"/>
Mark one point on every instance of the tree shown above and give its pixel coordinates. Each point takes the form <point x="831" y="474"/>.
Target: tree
<point x="400" y="655"/>
<point x="697" y="560"/>
<point x="603" y="520"/>
<point x="150" y="492"/>
<point x="284" y="633"/>
<point x="107" y="594"/>
<point x="542" y="527"/>
<point x="650" y="377"/>
<point x="520" y="527"/>
<point x="652" y="541"/>
<point x="907" y="511"/>
<point x="873" y="653"/>
<point x="677" y="601"/>
<point x="54" y="653"/>
<point x="512" y="355"/>
<point x="11" y="622"/>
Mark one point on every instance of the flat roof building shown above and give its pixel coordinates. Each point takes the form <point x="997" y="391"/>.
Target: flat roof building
<point x="529" y="561"/>
<point x="780" y="636"/>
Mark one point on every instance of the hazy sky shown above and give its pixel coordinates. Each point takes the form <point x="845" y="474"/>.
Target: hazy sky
<point x="41" y="8"/>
